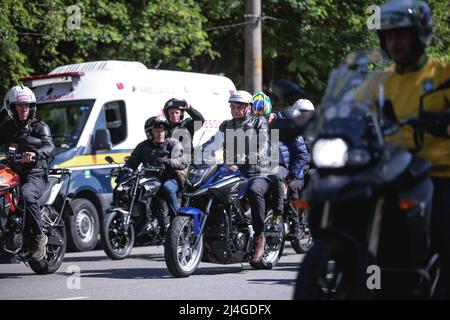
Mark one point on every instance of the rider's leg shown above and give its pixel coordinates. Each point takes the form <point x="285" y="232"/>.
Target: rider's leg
<point x="277" y="181"/>
<point x="169" y="191"/>
<point x="257" y="188"/>
<point x="294" y="189"/>
<point x="33" y="187"/>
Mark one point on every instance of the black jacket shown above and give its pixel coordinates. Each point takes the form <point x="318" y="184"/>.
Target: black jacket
<point x="254" y="137"/>
<point x="188" y="124"/>
<point x="170" y="154"/>
<point x="33" y="136"/>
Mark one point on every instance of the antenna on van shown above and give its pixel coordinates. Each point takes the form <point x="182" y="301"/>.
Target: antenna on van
<point x="158" y="64"/>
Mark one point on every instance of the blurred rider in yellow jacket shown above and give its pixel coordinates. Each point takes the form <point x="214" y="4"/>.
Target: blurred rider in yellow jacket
<point x="406" y="31"/>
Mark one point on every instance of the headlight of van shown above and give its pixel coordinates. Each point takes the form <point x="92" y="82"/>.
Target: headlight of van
<point x="330" y="153"/>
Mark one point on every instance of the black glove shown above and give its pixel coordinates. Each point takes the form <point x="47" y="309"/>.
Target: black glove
<point x="436" y="124"/>
<point x="162" y="162"/>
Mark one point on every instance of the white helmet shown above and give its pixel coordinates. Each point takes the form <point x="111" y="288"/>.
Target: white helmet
<point x="241" y="96"/>
<point x="19" y="95"/>
<point x="303" y="105"/>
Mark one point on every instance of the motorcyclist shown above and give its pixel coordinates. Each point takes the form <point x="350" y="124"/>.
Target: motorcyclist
<point x="174" y="110"/>
<point x="251" y="163"/>
<point x="159" y="150"/>
<point x="31" y="137"/>
<point x="406" y="31"/>
<point x="299" y="113"/>
<point x="293" y="154"/>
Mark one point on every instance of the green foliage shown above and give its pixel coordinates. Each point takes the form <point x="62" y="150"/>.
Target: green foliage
<point x="302" y="39"/>
<point x="37" y="35"/>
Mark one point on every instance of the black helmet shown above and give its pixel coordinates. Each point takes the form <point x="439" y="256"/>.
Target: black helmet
<point x="174" y="104"/>
<point x="153" y="123"/>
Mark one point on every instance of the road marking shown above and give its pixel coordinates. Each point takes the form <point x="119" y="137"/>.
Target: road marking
<point x="74" y="298"/>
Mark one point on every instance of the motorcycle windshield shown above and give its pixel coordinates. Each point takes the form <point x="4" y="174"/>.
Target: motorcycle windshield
<point x="338" y="114"/>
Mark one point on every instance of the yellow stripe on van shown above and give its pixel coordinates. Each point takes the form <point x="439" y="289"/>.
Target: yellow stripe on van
<point x="93" y="160"/>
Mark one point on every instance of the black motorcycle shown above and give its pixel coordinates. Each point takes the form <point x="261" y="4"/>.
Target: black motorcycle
<point x="136" y="214"/>
<point x="215" y="224"/>
<point x="14" y="241"/>
<point x="370" y="205"/>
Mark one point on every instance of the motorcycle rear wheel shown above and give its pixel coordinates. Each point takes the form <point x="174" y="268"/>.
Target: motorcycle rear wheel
<point x="53" y="258"/>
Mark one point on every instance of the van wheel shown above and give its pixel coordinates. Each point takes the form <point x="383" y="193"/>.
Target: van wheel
<point x="83" y="227"/>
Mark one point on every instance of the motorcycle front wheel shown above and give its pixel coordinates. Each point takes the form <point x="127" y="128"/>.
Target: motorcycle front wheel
<point x="332" y="270"/>
<point x="181" y="255"/>
<point x="116" y="243"/>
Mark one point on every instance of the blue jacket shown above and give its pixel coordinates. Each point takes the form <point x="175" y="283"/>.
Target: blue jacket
<point x="293" y="155"/>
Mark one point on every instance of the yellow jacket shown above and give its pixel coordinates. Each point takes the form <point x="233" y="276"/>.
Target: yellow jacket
<point x="404" y="91"/>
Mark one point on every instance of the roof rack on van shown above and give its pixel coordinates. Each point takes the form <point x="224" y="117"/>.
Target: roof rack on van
<point x="43" y="79"/>
<point x="99" y="66"/>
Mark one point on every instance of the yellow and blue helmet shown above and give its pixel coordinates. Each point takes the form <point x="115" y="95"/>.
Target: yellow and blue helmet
<point x="261" y="105"/>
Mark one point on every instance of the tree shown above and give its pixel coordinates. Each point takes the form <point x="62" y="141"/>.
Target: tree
<point x="302" y="39"/>
<point x="37" y="36"/>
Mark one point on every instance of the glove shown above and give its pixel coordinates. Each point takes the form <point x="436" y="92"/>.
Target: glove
<point x="163" y="162"/>
<point x="436" y="124"/>
<point x="184" y="105"/>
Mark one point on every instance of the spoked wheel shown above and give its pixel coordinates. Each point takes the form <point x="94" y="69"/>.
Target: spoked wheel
<point x="275" y="236"/>
<point x="54" y="256"/>
<point x="181" y="255"/>
<point x="333" y="271"/>
<point x="117" y="242"/>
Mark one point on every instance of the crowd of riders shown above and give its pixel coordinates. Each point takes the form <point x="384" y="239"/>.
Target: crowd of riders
<point x="406" y="31"/>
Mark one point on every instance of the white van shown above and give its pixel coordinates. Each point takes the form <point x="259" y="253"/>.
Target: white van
<point x="80" y="102"/>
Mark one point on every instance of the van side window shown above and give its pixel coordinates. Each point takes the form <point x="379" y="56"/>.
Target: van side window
<point x="116" y="120"/>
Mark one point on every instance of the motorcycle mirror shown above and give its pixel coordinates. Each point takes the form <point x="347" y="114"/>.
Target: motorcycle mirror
<point x="109" y="160"/>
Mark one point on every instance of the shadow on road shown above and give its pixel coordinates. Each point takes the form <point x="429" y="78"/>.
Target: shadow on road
<point x="154" y="273"/>
<point x="140" y="256"/>
<point x="286" y="282"/>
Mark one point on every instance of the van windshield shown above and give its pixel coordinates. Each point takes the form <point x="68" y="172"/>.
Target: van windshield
<point x="66" y="121"/>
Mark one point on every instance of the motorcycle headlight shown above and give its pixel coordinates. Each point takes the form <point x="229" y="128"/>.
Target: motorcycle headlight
<point x="196" y="176"/>
<point x="330" y="153"/>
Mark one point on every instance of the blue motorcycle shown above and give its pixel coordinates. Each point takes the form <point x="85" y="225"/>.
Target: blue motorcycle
<point x="215" y="226"/>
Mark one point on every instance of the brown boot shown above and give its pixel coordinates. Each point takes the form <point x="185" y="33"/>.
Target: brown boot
<point x="260" y="243"/>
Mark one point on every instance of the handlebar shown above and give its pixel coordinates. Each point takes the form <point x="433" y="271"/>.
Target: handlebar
<point x="61" y="171"/>
<point x="154" y="169"/>
<point x="143" y="171"/>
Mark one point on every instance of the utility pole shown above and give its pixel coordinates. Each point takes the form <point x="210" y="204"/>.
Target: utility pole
<point x="253" y="46"/>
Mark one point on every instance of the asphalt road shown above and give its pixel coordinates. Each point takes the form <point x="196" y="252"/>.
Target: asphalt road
<point x="144" y="276"/>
